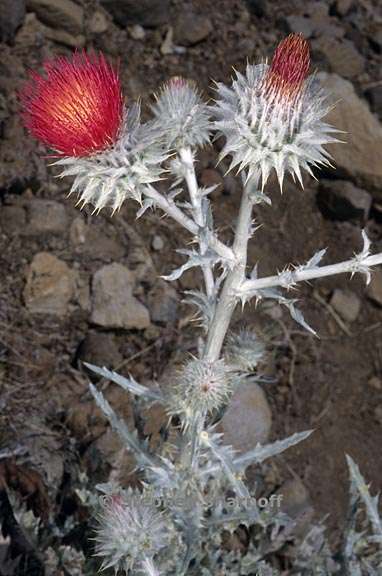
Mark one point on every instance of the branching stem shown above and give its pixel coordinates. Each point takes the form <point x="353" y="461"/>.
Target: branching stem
<point x="228" y="297"/>
<point x="170" y="208"/>
<point x="187" y="159"/>
<point x="250" y="287"/>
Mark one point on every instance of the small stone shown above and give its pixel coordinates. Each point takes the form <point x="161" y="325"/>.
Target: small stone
<point x="62" y="14"/>
<point x="100" y="349"/>
<point x="12" y="13"/>
<point x="137" y="32"/>
<point x="248" y="419"/>
<point x="162" y="302"/>
<point x="12" y="219"/>
<point x="191" y="28"/>
<point x="360" y="157"/>
<point x="341" y="200"/>
<point x="147" y="13"/>
<point x="50" y="285"/>
<point x="157" y="243"/>
<point x="346" y="303"/>
<point x="98" y="23"/>
<point x="45" y="217"/>
<point x="374" y="289"/>
<point x="342" y="56"/>
<point x="113" y="303"/>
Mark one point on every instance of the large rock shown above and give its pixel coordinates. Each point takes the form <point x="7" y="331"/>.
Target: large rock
<point x="62" y="14"/>
<point x="12" y="13"/>
<point x="50" y="285"/>
<point x="360" y="157"/>
<point x="145" y="12"/>
<point x="341" y="55"/>
<point x="248" y="418"/>
<point x="113" y="303"/>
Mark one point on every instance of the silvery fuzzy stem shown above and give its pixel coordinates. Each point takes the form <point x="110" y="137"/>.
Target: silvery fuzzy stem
<point x="149" y="568"/>
<point x="228" y="297"/>
<point x="187" y="159"/>
<point x="249" y="287"/>
<point x="170" y="208"/>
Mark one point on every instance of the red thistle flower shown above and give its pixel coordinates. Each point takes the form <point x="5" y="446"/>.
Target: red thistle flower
<point x="289" y="68"/>
<point x="76" y="107"/>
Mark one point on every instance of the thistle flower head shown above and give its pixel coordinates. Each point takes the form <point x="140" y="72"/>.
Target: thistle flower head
<point x="125" y="171"/>
<point x="181" y="114"/>
<point x="76" y="106"/>
<point x="200" y="387"/>
<point x="244" y="350"/>
<point x="130" y="527"/>
<point x="272" y="116"/>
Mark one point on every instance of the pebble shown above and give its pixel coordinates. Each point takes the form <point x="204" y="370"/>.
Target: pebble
<point x="113" y="302"/>
<point x="157" y="243"/>
<point x="248" y="418"/>
<point x="98" y="23"/>
<point x="346" y="303"/>
<point x="50" y="285"/>
<point x="191" y="28"/>
<point x="137" y="32"/>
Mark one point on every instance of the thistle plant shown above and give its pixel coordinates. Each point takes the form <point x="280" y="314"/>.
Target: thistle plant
<point x="272" y="118"/>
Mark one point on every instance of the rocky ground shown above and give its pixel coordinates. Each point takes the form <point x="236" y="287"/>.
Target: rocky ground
<point x="80" y="287"/>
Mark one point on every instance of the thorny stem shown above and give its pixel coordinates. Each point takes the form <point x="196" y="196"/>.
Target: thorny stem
<point x="187" y="159"/>
<point x="228" y="298"/>
<point x="170" y="208"/>
<point x="249" y="287"/>
<point x="149" y="568"/>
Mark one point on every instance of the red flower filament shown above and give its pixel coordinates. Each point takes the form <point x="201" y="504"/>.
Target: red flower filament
<point x="76" y="107"/>
<point x="289" y="68"/>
